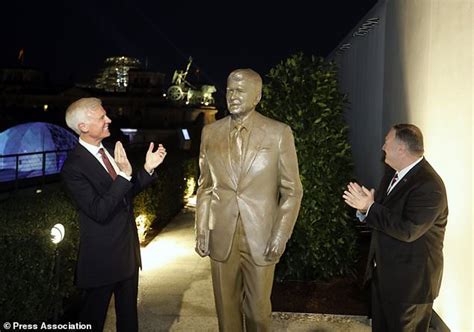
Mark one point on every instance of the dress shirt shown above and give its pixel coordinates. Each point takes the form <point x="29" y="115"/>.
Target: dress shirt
<point x="94" y="150"/>
<point x="361" y="216"/>
<point x="403" y="172"/>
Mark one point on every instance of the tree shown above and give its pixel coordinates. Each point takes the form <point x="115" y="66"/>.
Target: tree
<point x="303" y="92"/>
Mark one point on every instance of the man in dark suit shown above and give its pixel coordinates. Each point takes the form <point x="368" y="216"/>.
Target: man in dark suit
<point x="408" y="216"/>
<point x="102" y="187"/>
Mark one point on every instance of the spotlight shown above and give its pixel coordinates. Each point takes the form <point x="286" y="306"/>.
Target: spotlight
<point x="57" y="233"/>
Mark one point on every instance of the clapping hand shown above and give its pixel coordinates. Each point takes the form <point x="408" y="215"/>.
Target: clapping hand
<point x="121" y="159"/>
<point x="153" y="159"/>
<point x="358" y="197"/>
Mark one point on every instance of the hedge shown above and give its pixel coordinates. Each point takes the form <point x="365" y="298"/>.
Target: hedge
<point x="302" y="91"/>
<point x="29" y="290"/>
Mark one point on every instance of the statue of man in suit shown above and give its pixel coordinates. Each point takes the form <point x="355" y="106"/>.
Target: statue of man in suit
<point x="248" y="200"/>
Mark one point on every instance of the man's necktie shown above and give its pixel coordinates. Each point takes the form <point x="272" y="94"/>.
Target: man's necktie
<point x="107" y="163"/>
<point x="394" y="180"/>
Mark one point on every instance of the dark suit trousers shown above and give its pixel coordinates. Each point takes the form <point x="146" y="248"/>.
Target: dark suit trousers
<point x="388" y="316"/>
<point x="96" y="302"/>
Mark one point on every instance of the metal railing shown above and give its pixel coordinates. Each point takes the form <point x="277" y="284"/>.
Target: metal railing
<point x="16" y="167"/>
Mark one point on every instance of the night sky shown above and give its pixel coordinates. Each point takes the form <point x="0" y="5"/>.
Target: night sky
<point x="70" y="39"/>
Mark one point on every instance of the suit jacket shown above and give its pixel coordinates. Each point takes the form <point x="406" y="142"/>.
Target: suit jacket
<point x="267" y="195"/>
<point x="407" y="237"/>
<point x="109" y="248"/>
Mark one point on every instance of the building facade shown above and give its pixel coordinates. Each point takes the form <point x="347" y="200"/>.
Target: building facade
<point x="412" y="61"/>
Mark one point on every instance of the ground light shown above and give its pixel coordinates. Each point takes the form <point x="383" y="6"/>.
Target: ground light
<point x="57" y="235"/>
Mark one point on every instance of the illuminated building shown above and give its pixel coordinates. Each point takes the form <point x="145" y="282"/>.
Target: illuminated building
<point x="114" y="76"/>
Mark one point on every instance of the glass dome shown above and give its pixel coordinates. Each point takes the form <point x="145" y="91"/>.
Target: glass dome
<point x="27" y="150"/>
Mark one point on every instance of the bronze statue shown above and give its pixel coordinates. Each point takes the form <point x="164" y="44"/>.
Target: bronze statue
<point x="248" y="200"/>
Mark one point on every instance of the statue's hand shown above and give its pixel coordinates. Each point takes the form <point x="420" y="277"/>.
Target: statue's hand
<point x="202" y="244"/>
<point x="275" y="248"/>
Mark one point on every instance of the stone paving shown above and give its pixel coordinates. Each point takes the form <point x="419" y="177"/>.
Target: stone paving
<point x="175" y="290"/>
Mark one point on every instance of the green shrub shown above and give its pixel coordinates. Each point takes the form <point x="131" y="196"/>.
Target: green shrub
<point x="191" y="171"/>
<point x="28" y="287"/>
<point x="28" y="291"/>
<point x="303" y="93"/>
<point x="165" y="197"/>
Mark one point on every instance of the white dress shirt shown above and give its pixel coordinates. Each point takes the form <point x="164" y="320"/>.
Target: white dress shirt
<point x="401" y="174"/>
<point x="94" y="150"/>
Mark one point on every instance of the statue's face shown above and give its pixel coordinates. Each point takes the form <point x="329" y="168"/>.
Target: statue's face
<point x="242" y="95"/>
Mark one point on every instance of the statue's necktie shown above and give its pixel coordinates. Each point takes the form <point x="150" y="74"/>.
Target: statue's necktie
<point x="239" y="140"/>
<point x="237" y="146"/>
<point x="108" y="164"/>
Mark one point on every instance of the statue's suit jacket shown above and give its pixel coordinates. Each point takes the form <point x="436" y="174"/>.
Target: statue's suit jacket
<point x="267" y="194"/>
<point x="407" y="237"/>
<point x="109" y="249"/>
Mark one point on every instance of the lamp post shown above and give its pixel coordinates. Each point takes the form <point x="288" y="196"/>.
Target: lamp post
<point x="57" y="235"/>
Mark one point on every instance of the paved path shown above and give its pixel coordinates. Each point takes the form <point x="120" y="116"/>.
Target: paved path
<point x="175" y="290"/>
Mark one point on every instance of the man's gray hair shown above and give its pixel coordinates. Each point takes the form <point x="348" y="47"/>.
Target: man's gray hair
<point x="76" y="113"/>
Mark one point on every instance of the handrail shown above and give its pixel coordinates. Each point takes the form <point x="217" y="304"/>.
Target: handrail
<point x="32" y="153"/>
<point x="19" y="166"/>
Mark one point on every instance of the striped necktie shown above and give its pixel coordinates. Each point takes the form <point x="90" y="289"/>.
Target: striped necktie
<point x="108" y="164"/>
<point x="392" y="183"/>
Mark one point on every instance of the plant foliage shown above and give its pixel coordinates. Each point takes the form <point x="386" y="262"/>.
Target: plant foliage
<point x="31" y="289"/>
<point x="164" y="198"/>
<point x="303" y="92"/>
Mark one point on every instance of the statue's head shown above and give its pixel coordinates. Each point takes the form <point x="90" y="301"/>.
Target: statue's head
<point x="244" y="91"/>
